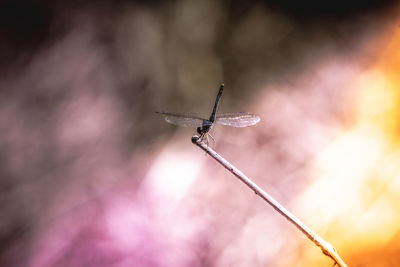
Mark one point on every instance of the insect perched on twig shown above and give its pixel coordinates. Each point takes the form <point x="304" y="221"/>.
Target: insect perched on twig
<point x="241" y="119"/>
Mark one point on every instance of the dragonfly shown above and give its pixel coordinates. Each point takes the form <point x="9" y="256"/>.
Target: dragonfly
<point x="241" y="119"/>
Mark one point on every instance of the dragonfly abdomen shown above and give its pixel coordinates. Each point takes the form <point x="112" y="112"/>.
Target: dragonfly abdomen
<point x="214" y="112"/>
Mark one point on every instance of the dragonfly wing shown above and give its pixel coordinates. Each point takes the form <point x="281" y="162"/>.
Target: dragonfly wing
<point x="238" y="119"/>
<point x="185" y="120"/>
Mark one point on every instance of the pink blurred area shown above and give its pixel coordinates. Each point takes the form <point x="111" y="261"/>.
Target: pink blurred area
<point x="90" y="176"/>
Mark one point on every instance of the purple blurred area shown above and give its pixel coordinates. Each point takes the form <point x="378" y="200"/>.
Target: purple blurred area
<point x="90" y="176"/>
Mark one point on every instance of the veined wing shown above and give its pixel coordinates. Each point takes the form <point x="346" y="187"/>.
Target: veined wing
<point x="238" y="119"/>
<point x="185" y="120"/>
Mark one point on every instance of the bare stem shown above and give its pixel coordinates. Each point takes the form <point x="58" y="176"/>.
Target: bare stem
<point x="326" y="248"/>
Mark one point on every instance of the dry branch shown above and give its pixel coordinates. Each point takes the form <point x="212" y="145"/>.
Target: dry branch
<point x="326" y="248"/>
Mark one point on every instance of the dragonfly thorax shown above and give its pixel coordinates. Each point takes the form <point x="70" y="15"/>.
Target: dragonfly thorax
<point x="203" y="129"/>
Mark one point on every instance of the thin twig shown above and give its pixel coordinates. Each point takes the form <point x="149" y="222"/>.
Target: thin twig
<point x="326" y="248"/>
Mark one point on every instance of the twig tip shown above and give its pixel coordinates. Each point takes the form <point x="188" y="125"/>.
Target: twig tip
<point x="195" y="138"/>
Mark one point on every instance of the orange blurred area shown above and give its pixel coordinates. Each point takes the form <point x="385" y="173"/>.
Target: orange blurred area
<point x="355" y="199"/>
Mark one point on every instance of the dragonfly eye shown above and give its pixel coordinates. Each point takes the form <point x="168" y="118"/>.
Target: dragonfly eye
<point x="199" y="130"/>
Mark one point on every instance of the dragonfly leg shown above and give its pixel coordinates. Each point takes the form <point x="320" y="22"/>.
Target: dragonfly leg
<point x="204" y="137"/>
<point x="212" y="140"/>
<point x="201" y="137"/>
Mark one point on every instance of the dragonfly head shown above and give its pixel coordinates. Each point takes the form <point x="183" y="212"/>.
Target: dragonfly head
<point x="200" y="130"/>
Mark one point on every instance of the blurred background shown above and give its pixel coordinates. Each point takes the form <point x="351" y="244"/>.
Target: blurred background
<point x="91" y="176"/>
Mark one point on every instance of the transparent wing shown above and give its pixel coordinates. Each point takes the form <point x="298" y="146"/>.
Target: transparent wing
<point x="185" y="120"/>
<point x="238" y="119"/>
